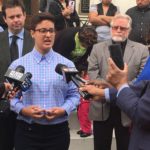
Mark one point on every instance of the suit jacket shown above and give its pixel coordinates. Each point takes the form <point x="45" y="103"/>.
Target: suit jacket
<point x="145" y="74"/>
<point x="5" y="59"/>
<point x="135" y="102"/>
<point x="135" y="56"/>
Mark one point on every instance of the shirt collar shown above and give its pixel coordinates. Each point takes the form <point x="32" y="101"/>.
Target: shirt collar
<point x="20" y="34"/>
<point x="122" y="44"/>
<point x="39" y="57"/>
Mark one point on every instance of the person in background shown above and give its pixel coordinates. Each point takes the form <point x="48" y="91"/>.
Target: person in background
<point x="76" y="43"/>
<point x="65" y="16"/>
<point x="83" y="108"/>
<point x="141" y="22"/>
<point x="14" y="36"/>
<point x="108" y="117"/>
<point x="134" y="100"/>
<point x="42" y="114"/>
<point x="100" y="16"/>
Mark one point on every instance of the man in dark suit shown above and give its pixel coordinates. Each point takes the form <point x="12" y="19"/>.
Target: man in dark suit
<point x="141" y="22"/>
<point x="133" y="100"/>
<point x="14" y="15"/>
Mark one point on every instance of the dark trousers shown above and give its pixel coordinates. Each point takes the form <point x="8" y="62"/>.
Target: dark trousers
<point x="7" y="130"/>
<point x="42" y="137"/>
<point x="103" y="130"/>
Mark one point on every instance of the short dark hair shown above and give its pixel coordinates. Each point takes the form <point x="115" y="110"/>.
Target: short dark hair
<point x="37" y="18"/>
<point x="88" y="35"/>
<point x="82" y="66"/>
<point x="12" y="4"/>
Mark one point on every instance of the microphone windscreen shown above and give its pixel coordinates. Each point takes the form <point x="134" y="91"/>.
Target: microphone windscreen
<point x="59" y="67"/>
<point x="20" y="69"/>
<point x="28" y="75"/>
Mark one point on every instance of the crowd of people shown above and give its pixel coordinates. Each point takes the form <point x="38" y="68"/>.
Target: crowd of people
<point x="118" y="101"/>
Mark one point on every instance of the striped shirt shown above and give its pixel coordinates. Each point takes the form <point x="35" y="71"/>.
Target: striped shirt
<point x="48" y="88"/>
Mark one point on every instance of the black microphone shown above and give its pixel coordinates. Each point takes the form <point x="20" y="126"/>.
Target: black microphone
<point x="19" y="81"/>
<point x="71" y="74"/>
<point x="15" y="77"/>
<point x="27" y="82"/>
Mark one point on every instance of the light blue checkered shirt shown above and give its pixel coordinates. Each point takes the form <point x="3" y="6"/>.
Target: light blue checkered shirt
<point x="48" y="88"/>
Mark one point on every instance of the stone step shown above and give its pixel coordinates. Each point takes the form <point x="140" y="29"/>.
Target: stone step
<point x="73" y="121"/>
<point x="78" y="143"/>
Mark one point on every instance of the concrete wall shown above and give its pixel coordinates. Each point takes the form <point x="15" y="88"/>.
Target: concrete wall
<point x="124" y="4"/>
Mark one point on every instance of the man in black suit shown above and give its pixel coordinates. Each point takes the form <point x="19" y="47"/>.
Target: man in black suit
<point x="14" y="15"/>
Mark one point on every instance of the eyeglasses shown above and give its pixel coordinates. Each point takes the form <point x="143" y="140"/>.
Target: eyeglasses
<point x="119" y="27"/>
<point x="44" y="30"/>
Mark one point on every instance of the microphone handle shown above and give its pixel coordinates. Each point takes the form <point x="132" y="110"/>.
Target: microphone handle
<point x="84" y="94"/>
<point x="80" y="79"/>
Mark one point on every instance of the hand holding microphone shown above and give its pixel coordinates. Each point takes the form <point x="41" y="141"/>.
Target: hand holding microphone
<point x="95" y="92"/>
<point x="11" y="92"/>
<point x="71" y="74"/>
<point x="99" y="83"/>
<point x="96" y="89"/>
<point x="11" y="85"/>
<point x="17" y="80"/>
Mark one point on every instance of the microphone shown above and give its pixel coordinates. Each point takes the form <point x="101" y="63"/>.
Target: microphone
<point x="71" y="74"/>
<point x="19" y="81"/>
<point x="15" y="77"/>
<point x="20" y="69"/>
<point x="27" y="83"/>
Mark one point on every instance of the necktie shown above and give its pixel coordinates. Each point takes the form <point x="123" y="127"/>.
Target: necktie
<point x="14" y="48"/>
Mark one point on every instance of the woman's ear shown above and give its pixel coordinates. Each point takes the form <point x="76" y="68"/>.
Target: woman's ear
<point x="32" y="33"/>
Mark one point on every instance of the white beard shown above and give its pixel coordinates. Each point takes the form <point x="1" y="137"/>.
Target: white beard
<point x="118" y="39"/>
